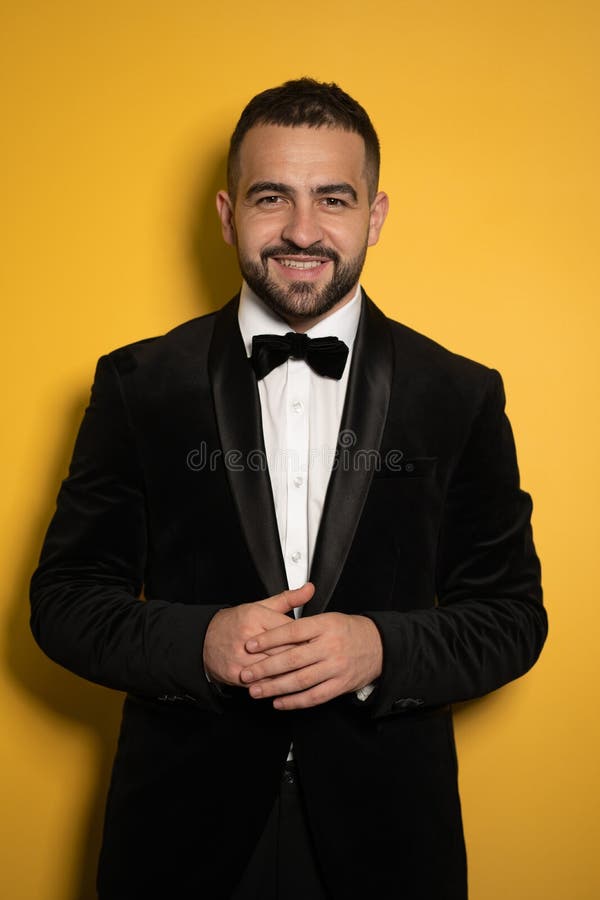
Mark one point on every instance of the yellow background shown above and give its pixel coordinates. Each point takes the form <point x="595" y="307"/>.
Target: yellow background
<point x="115" y="116"/>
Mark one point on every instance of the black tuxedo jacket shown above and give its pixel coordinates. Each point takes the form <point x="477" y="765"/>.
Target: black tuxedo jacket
<point x="424" y="530"/>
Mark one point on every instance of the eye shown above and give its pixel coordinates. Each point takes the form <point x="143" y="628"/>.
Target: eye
<point x="270" y="200"/>
<point x="333" y="202"/>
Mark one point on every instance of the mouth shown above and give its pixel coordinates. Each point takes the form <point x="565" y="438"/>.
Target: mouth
<point x="302" y="268"/>
<point x="300" y="263"/>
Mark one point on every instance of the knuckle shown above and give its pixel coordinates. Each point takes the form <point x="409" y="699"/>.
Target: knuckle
<point x="293" y="659"/>
<point x="316" y="696"/>
<point x="304" y="680"/>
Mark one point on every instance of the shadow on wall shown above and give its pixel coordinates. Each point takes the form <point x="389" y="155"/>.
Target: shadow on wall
<point x="216" y="278"/>
<point x="212" y="263"/>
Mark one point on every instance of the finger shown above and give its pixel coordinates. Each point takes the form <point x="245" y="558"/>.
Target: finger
<point x="273" y="651"/>
<point x="227" y="671"/>
<point x="297" y="656"/>
<point x="292" y="682"/>
<point x="287" y="600"/>
<point x="296" y="631"/>
<point x="320" y="693"/>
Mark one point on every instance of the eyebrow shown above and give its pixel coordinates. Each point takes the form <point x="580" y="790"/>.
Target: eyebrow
<point x="274" y="187"/>
<point x="278" y="187"/>
<point x="341" y="187"/>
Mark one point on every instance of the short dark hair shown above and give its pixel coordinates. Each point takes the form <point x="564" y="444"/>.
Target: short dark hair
<point x="305" y="101"/>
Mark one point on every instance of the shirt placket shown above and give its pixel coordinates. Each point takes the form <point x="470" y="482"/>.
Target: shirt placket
<point x="296" y="543"/>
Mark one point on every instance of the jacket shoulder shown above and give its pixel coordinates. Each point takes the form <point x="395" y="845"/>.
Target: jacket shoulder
<point x="192" y="337"/>
<point x="438" y="377"/>
<point x="422" y="349"/>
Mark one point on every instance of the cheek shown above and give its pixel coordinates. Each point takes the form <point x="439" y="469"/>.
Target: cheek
<point x="253" y="236"/>
<point x="349" y="239"/>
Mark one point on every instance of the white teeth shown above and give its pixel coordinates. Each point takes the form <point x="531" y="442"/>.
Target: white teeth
<point x="299" y="264"/>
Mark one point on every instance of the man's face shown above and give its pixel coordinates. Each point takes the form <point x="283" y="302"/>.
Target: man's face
<point x="301" y="220"/>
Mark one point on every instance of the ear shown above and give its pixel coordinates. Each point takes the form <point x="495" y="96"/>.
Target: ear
<point x="225" y="211"/>
<point x="379" y="210"/>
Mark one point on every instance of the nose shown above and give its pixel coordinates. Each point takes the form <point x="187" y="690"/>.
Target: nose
<point x="302" y="226"/>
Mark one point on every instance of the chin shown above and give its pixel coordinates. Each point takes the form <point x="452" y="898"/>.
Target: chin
<point x="300" y="303"/>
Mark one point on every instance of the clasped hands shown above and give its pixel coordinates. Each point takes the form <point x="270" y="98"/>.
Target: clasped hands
<point x="298" y="662"/>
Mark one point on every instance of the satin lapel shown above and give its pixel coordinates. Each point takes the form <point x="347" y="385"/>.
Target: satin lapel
<point x="237" y="411"/>
<point x="361" y="430"/>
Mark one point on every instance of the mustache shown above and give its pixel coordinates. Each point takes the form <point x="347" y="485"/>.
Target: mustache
<point x="290" y="249"/>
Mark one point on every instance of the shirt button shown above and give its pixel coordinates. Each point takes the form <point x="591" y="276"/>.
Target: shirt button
<point x="297" y="406"/>
<point x="296" y="556"/>
<point x="298" y="480"/>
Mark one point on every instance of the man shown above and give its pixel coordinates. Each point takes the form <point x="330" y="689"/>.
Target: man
<point x="265" y="753"/>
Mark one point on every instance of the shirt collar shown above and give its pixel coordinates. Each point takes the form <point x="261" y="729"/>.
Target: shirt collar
<point x="255" y="317"/>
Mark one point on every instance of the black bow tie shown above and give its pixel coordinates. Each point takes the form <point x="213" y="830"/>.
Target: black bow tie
<point x="326" y="356"/>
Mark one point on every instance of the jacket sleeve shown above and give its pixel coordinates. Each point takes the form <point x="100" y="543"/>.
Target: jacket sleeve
<point x="487" y="625"/>
<point x="86" y="608"/>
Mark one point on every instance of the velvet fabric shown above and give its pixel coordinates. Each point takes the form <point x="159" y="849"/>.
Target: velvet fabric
<point x="425" y="530"/>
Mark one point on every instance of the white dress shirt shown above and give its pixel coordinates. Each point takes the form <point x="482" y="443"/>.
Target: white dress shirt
<point x="301" y="415"/>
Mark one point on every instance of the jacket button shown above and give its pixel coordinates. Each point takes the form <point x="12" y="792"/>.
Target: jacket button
<point x="408" y="703"/>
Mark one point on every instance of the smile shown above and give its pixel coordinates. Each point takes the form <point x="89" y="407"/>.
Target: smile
<point x="301" y="263"/>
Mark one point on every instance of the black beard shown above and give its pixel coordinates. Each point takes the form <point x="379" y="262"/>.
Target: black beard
<point x="299" y="299"/>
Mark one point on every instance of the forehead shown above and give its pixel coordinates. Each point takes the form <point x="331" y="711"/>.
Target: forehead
<point x="301" y="154"/>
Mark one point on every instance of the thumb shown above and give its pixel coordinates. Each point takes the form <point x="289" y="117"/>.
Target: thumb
<point x="287" y="600"/>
